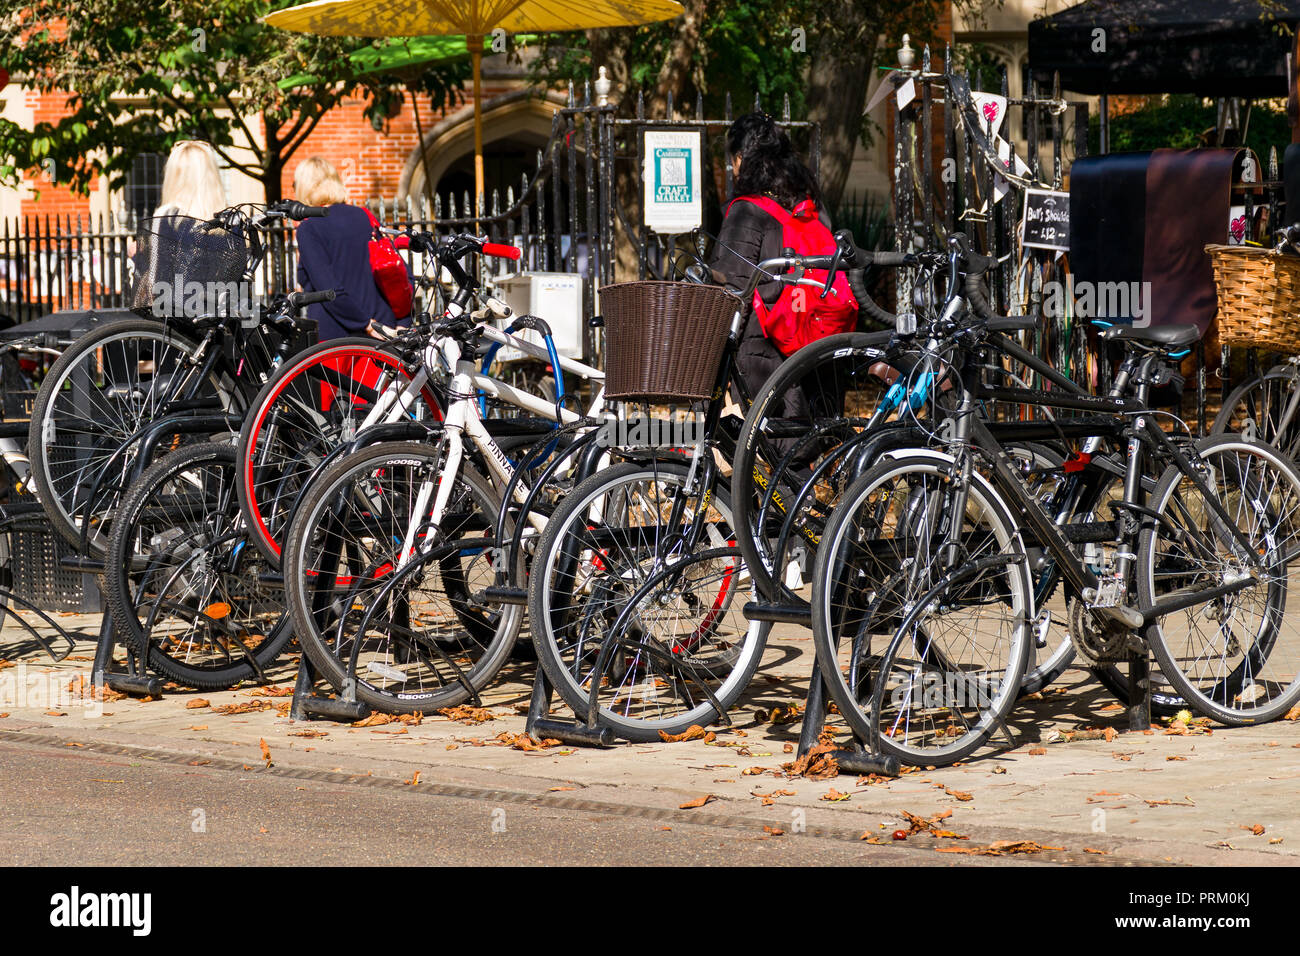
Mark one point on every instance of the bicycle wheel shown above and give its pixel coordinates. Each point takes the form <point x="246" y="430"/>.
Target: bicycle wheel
<point x="1265" y="407"/>
<point x="817" y="399"/>
<point x="1234" y="657"/>
<point x="401" y="628"/>
<point x="632" y="545"/>
<point x="89" y="412"/>
<point x="922" y="642"/>
<point x="313" y="403"/>
<point x="182" y="579"/>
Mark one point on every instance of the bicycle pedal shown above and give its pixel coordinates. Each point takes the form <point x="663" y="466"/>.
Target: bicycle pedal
<point x="1040" y="628"/>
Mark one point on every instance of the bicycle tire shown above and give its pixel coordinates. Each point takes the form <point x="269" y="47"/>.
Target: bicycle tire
<point x="858" y="588"/>
<point x="268" y="488"/>
<point x="1265" y="406"/>
<point x="158" y="580"/>
<point x="1268" y="668"/>
<point x="106" y="423"/>
<point x="857" y="352"/>
<point x="312" y="563"/>
<point x="561" y="627"/>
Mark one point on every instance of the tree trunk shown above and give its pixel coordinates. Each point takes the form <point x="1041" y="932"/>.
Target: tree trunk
<point x="272" y="164"/>
<point x="677" y="73"/>
<point x="837" y="93"/>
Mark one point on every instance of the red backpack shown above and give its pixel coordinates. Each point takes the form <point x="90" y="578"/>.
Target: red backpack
<point x="800" y="315"/>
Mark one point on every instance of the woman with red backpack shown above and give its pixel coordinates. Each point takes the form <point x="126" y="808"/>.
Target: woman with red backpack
<point x="775" y="206"/>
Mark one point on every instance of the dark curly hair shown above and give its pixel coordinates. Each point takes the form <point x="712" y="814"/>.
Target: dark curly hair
<point x="768" y="163"/>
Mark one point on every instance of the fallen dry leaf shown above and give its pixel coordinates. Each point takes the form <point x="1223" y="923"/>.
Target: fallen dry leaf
<point x="1037" y="751"/>
<point x="468" y="714"/>
<point x="524" y="741"/>
<point x="817" y="764"/>
<point x="918" y="824"/>
<point x="1293" y="713"/>
<point x="961" y="795"/>
<point x="780" y="714"/>
<point x="266" y="751"/>
<point x="229" y="710"/>
<point x="834" y="796"/>
<point x="1088" y="849"/>
<point x="1257" y="829"/>
<point x="309" y="733"/>
<point x="774" y="831"/>
<point x="1000" y="848"/>
<point x="374" y="720"/>
<point x="693" y="732"/>
<point x="197" y="703"/>
<point x="414" y="781"/>
<point x="697" y="802"/>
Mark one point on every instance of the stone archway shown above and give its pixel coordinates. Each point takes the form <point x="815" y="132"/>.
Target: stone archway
<point x="516" y="120"/>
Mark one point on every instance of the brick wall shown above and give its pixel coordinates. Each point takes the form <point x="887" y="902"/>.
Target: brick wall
<point x="54" y="200"/>
<point x="370" y="162"/>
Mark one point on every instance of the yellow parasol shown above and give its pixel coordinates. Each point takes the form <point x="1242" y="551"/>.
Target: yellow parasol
<point x="476" y="19"/>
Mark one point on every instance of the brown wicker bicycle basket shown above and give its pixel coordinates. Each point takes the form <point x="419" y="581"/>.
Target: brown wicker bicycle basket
<point x="664" y="340"/>
<point x="1259" y="297"/>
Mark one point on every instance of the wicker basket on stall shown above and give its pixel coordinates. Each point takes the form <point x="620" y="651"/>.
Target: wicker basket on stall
<point x="1259" y="297"/>
<point x="664" y="340"/>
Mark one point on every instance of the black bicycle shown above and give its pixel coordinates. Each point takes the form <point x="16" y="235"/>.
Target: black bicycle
<point x="925" y="606"/>
<point x="200" y="349"/>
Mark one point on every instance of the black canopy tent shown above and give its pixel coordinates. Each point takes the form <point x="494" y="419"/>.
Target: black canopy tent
<point x="1215" y="48"/>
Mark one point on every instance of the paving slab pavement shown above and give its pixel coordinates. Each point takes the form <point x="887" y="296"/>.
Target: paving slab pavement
<point x="1132" y="799"/>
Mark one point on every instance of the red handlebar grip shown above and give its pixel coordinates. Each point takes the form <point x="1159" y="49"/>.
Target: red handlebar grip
<point x="502" y="252"/>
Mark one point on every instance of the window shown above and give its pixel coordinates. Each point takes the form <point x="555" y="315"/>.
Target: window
<point x="144" y="184"/>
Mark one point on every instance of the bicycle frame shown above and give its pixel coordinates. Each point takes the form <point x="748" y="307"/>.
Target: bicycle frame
<point x="1144" y="440"/>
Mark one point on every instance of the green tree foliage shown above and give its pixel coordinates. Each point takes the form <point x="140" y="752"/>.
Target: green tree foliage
<point x="1185" y="122"/>
<point x="821" y="54"/>
<point x="143" y="74"/>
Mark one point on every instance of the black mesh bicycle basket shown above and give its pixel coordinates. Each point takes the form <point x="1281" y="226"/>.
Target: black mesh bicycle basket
<point x="192" y="267"/>
<point x="664" y="340"/>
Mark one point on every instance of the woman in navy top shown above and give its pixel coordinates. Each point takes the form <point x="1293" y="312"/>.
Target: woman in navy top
<point x="334" y="253"/>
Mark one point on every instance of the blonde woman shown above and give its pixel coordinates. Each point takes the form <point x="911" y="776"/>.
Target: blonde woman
<point x="334" y="253"/>
<point x="191" y="182"/>
<point x="192" y="193"/>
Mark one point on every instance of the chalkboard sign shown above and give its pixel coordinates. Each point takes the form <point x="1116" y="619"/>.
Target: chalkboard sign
<point x="1047" y="219"/>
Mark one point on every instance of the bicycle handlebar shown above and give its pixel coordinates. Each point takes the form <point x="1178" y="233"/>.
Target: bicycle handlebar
<point x="296" y="300"/>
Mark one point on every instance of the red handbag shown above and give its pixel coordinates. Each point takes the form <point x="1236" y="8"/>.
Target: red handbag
<point x="391" y="277"/>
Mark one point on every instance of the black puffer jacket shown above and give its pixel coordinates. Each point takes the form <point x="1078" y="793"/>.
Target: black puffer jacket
<point x="748" y="236"/>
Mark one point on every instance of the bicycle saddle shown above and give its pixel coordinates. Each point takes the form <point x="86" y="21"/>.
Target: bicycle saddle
<point x="1168" y="337"/>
